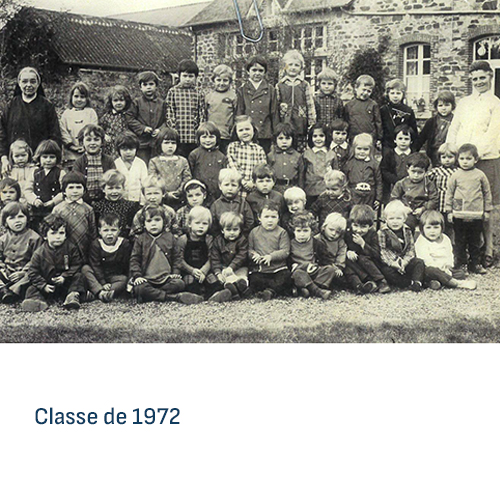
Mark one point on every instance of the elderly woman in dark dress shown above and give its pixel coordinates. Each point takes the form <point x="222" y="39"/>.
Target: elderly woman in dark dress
<point x="29" y="116"/>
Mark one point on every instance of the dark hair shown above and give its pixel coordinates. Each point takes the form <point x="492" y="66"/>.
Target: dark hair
<point x="432" y="217"/>
<point x="148" y="76"/>
<point x="418" y="160"/>
<point x="118" y="91"/>
<point x="7" y="182"/>
<point x="269" y="205"/>
<point x="13" y="208"/>
<point x="480" y="66"/>
<point x="91" y="128"/>
<point x="73" y="178"/>
<point x="262" y="172"/>
<point x="110" y="219"/>
<point x="188" y="66"/>
<point x="447" y="97"/>
<point x="208" y="128"/>
<point x="256" y="60"/>
<point x="48" y="147"/>
<point x="286" y="129"/>
<point x="127" y="140"/>
<point x="166" y="134"/>
<point x="84" y="90"/>
<point x="468" y="148"/>
<point x="362" y="214"/>
<point x="151" y="210"/>
<point x="326" y="131"/>
<point x="339" y="124"/>
<point x="406" y="129"/>
<point x="304" y="219"/>
<point x="53" y="222"/>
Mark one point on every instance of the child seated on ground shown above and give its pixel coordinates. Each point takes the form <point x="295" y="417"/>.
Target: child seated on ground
<point x="194" y="249"/>
<point x="308" y="276"/>
<point x="335" y="198"/>
<point x="397" y="249"/>
<point x="22" y="168"/>
<point x="332" y="251"/>
<point x="264" y="180"/>
<point x="295" y="201"/>
<point x="131" y="166"/>
<point x="229" y="256"/>
<point x="107" y="275"/>
<point x="17" y="246"/>
<point x="268" y="251"/>
<point x="435" y="249"/>
<point x="231" y="200"/>
<point x="416" y="190"/>
<point x="195" y="193"/>
<point x="55" y="270"/>
<point x="155" y="261"/>
<point x="468" y="202"/>
<point x="113" y="186"/>
<point x="339" y="144"/>
<point x="362" y="269"/>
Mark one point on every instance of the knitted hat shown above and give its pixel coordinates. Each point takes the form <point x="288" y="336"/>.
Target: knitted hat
<point x="73" y="178"/>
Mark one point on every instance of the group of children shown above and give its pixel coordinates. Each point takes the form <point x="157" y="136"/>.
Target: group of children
<point x="260" y="192"/>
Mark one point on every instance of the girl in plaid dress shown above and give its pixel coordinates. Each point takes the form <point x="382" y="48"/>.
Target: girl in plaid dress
<point x="114" y="120"/>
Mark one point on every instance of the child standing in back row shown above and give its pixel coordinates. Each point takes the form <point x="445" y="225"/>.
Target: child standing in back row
<point x="114" y="121"/>
<point x="329" y="106"/>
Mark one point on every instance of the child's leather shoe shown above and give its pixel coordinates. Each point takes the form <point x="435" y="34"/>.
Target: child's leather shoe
<point x="72" y="302"/>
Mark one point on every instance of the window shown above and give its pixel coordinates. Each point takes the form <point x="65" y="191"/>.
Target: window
<point x="272" y="40"/>
<point x="313" y="68"/>
<point x="309" y="37"/>
<point x="417" y="74"/>
<point x="237" y="46"/>
<point x="488" y="49"/>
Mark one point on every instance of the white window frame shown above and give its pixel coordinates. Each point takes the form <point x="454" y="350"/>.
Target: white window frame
<point x="312" y="74"/>
<point x="418" y="85"/>
<point x="485" y="44"/>
<point x="300" y="39"/>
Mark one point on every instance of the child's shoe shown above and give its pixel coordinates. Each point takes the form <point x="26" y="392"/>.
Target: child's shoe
<point x="221" y="296"/>
<point x="383" y="287"/>
<point x="243" y="288"/>
<point x="106" y="295"/>
<point x="434" y="285"/>
<point x="265" y="295"/>
<point x="460" y="272"/>
<point x="72" y="302"/>
<point x="33" y="305"/>
<point x="467" y="284"/>
<point x="415" y="286"/>
<point x="369" y="287"/>
<point x="187" y="298"/>
<point x="477" y="269"/>
<point x="304" y="292"/>
<point x="9" y="297"/>
<point x="232" y="288"/>
<point x="325" y="294"/>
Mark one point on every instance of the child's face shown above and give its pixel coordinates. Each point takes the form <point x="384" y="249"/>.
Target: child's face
<point x="361" y="152"/>
<point x="284" y="141"/>
<point x="245" y="131"/>
<point x="466" y="160"/>
<point x="20" y="157"/>
<point x="195" y="197"/>
<point x="363" y="91"/>
<point x="17" y="223"/>
<point x="208" y="141"/>
<point x="302" y="234"/>
<point x="335" y="190"/>
<point x="74" y="191"/>
<point x="168" y="147"/>
<point x="293" y="68"/>
<point x="8" y="193"/>
<point x="92" y="143"/>
<point x="444" y="108"/>
<point x="256" y="73"/>
<point x="154" y="224"/>
<point x="403" y="141"/>
<point x="332" y="232"/>
<point x="78" y="100"/>
<point x="222" y="83"/>
<point x="318" y="138"/>
<point x="339" y="136"/>
<point x="265" y="185"/>
<point x="416" y="174"/>
<point x="229" y="188"/>
<point x="395" y="96"/>
<point x="360" y="229"/>
<point x="447" y="160"/>
<point x="128" y="154"/>
<point x="118" y="102"/>
<point x="153" y="194"/>
<point x="148" y="89"/>
<point x="231" y="233"/>
<point x="187" y="80"/>
<point x="199" y="227"/>
<point x="48" y="160"/>
<point x="395" y="220"/>
<point x="327" y="87"/>
<point x="55" y="238"/>
<point x="296" y="205"/>
<point x="432" y="231"/>
<point x="114" y="193"/>
<point x="269" y="219"/>
<point x="109" y="233"/>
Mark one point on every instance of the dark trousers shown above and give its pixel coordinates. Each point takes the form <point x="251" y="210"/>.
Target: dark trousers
<point x="467" y="237"/>
<point x="433" y="273"/>
<point x="144" y="153"/>
<point x="18" y="287"/>
<point x="321" y="276"/>
<point x="73" y="284"/>
<point x="265" y="144"/>
<point x="206" y="289"/>
<point x="118" y="282"/>
<point x="148" y="292"/>
<point x="223" y="144"/>
<point x="414" y="272"/>
<point x="185" y="148"/>
<point x="280" y="282"/>
<point x="361" y="270"/>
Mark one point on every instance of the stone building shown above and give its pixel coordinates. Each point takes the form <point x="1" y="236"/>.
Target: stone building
<point x="430" y="43"/>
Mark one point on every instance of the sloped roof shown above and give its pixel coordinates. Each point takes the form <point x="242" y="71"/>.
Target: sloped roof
<point x="168" y="16"/>
<point x="220" y="11"/>
<point x="97" y="42"/>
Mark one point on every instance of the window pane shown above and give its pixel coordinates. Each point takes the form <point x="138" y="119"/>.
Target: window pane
<point x="427" y="67"/>
<point x="411" y="68"/>
<point x="495" y="49"/>
<point x="412" y="52"/>
<point x="308" y="32"/>
<point x="427" y="51"/>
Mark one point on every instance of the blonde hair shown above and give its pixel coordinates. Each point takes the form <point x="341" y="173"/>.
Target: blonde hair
<point x="448" y="148"/>
<point x="230" y="219"/>
<point x="335" y="220"/>
<point x="397" y="84"/>
<point x="223" y="70"/>
<point x="334" y="178"/>
<point x="328" y="74"/>
<point x="229" y="174"/>
<point x="396" y="207"/>
<point x="200" y="213"/>
<point x="293" y="55"/>
<point x="362" y="140"/>
<point x="295" y="193"/>
<point x="364" y="79"/>
<point x="154" y="181"/>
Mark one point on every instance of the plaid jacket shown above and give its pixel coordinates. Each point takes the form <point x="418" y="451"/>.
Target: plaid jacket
<point x="244" y="157"/>
<point x="328" y="107"/>
<point x="392" y="249"/>
<point x="326" y="204"/>
<point x="440" y="176"/>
